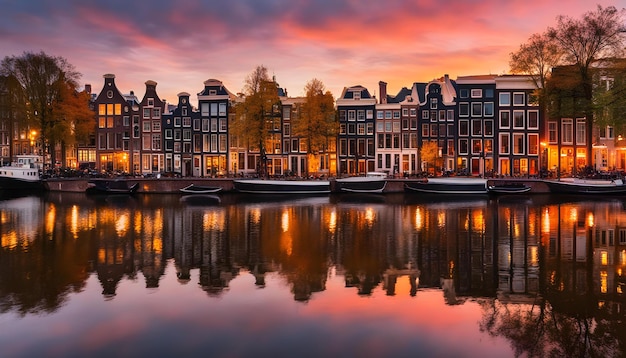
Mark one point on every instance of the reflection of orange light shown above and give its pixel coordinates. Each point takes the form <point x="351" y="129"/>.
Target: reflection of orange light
<point x="534" y="256"/>
<point x="370" y="216"/>
<point x="590" y="220"/>
<point x="419" y="220"/>
<point x="332" y="222"/>
<point x="50" y="219"/>
<point x="213" y="220"/>
<point x="9" y="240"/>
<point x="284" y="221"/>
<point x="441" y="219"/>
<point x="546" y="222"/>
<point x="255" y="216"/>
<point x="74" y="221"/>
<point x="478" y="221"/>
<point x="157" y="245"/>
<point x="122" y="224"/>
<point x="101" y="256"/>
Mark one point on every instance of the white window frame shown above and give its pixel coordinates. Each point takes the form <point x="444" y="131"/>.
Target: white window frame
<point x="504" y="99"/>
<point x="476" y="93"/>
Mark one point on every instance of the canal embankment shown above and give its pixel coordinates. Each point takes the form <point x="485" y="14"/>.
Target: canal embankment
<point x="173" y="185"/>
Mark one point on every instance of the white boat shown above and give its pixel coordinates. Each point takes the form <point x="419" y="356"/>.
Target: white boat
<point x="270" y="186"/>
<point x="449" y="186"/>
<point x="586" y="186"/>
<point x="372" y="182"/>
<point x="22" y="174"/>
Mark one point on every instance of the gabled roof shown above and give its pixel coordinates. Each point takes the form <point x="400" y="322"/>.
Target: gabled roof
<point x="447" y="90"/>
<point x="217" y="86"/>
<point x="400" y="97"/>
<point x="348" y="92"/>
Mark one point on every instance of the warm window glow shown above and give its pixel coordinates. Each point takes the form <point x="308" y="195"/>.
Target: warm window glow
<point x="604" y="282"/>
<point x="590" y="220"/>
<point x="604" y="258"/>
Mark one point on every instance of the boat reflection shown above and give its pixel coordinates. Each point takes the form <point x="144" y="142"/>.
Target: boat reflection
<point x="547" y="272"/>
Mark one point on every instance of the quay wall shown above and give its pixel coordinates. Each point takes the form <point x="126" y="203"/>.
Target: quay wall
<point x="172" y="185"/>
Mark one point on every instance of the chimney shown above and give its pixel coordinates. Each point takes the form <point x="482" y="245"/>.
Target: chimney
<point x="88" y="88"/>
<point x="382" y="88"/>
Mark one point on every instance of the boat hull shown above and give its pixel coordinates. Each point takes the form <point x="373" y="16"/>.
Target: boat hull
<point x="509" y="189"/>
<point x="586" y="188"/>
<point x="361" y="185"/>
<point x="111" y="187"/>
<point x="253" y="186"/>
<point x="20" y="184"/>
<point x="448" y="186"/>
<point x="199" y="189"/>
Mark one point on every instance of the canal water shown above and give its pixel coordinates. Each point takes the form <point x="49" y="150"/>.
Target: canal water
<point x="398" y="275"/>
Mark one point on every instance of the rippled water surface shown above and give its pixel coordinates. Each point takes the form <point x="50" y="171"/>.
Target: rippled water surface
<point x="341" y="275"/>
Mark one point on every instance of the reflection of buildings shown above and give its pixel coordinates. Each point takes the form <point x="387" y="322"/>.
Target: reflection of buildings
<point x="518" y="237"/>
<point x="481" y="248"/>
<point x="456" y="242"/>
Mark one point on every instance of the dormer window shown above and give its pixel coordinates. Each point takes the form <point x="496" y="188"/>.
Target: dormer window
<point x="356" y="95"/>
<point x="212" y="92"/>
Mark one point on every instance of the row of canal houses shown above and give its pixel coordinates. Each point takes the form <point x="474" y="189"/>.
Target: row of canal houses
<point x="483" y="125"/>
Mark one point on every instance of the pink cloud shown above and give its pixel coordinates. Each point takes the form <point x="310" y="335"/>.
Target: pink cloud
<point x="342" y="43"/>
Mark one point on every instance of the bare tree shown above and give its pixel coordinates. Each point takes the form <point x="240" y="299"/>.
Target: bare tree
<point x="536" y="58"/>
<point x="43" y="81"/>
<point x="598" y="34"/>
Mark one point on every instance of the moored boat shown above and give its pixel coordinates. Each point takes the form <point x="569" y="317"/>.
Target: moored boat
<point x="372" y="182"/>
<point x="109" y="187"/>
<point x="448" y="186"/>
<point x="200" y="189"/>
<point x="508" y="188"/>
<point x="261" y="186"/>
<point x="24" y="174"/>
<point x="585" y="186"/>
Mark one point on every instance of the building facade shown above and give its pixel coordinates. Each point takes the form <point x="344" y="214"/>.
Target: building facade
<point x="356" y="150"/>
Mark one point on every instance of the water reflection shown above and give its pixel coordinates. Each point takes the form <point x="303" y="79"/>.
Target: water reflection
<point x="548" y="274"/>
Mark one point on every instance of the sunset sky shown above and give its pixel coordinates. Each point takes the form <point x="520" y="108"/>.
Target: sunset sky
<point x="180" y="44"/>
